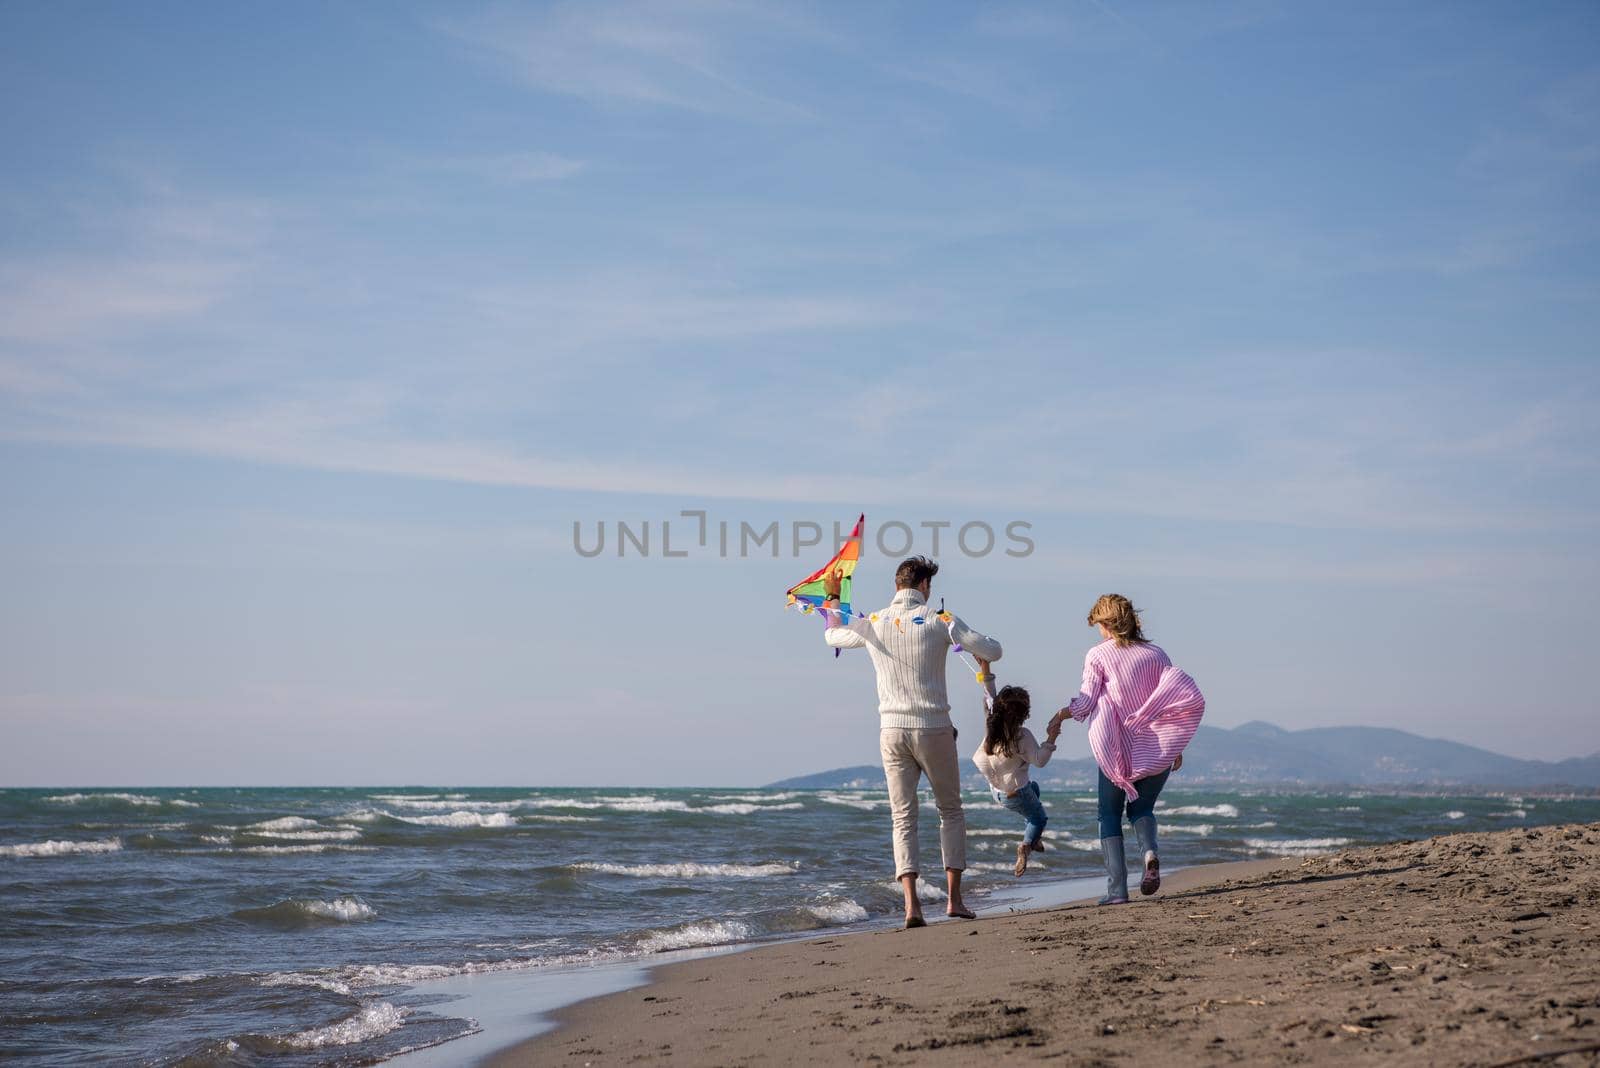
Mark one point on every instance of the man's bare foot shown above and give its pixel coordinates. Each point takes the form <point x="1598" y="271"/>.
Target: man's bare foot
<point x="1022" y="859"/>
<point x="958" y="911"/>
<point x="915" y="920"/>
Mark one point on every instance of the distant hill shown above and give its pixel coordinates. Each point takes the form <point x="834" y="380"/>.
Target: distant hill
<point x="1261" y="754"/>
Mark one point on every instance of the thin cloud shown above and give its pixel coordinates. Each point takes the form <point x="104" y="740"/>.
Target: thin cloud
<point x="667" y="54"/>
<point x="510" y="168"/>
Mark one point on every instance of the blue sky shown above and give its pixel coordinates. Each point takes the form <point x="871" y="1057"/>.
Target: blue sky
<point x="321" y="325"/>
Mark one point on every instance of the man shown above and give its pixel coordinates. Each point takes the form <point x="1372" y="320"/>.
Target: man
<point x="909" y="645"/>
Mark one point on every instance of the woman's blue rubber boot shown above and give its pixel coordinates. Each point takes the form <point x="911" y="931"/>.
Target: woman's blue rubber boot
<point x="1116" y="872"/>
<point x="1145" y="828"/>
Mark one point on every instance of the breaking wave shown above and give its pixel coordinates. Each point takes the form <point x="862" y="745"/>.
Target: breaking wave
<point x="865" y="804"/>
<point x="489" y="820"/>
<point x="838" y="912"/>
<point x="688" y="870"/>
<point x="58" y="848"/>
<point x="309" y="913"/>
<point x="284" y="823"/>
<point x="371" y="1021"/>
<point x="1224" y="811"/>
<point x="144" y="800"/>
<point x="699" y="933"/>
<point x="744" y="808"/>
<point x="1296" y="847"/>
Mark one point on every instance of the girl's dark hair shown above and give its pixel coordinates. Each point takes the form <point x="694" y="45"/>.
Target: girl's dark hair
<point x="1006" y="713"/>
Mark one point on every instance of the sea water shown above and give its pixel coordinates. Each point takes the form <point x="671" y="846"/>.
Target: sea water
<point x="311" y="926"/>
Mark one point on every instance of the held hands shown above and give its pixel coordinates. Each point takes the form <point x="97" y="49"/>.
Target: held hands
<point x="1177" y="762"/>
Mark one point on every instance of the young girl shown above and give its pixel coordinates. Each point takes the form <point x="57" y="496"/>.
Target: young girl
<point x="1007" y="750"/>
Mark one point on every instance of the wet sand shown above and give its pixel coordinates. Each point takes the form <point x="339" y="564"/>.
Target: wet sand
<point x="1471" y="949"/>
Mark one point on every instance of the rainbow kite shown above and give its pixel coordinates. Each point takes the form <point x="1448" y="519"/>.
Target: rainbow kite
<point x="807" y="593"/>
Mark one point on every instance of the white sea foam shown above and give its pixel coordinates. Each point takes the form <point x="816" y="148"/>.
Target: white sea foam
<point x="744" y="808"/>
<point x="1202" y="829"/>
<point x="1296" y="847"/>
<point x="927" y="891"/>
<point x="126" y="799"/>
<point x="400" y="799"/>
<point x="60" y="848"/>
<point x="283" y="823"/>
<point x="838" y="912"/>
<point x="344" y="909"/>
<point x="984" y="865"/>
<point x="454" y="803"/>
<point x="1084" y="845"/>
<point x="1514" y="814"/>
<point x="653" y="804"/>
<point x="1223" y="811"/>
<point x="703" y="933"/>
<point x="490" y="820"/>
<point x="186" y="977"/>
<point x="398" y="974"/>
<point x="611" y="804"/>
<point x="687" y="870"/>
<point x="320" y="847"/>
<point x="342" y="835"/>
<point x="546" y="818"/>
<point x="372" y="1021"/>
<point x="865" y="804"/>
<point x="321" y="982"/>
<point x="217" y="839"/>
<point x="1455" y="814"/>
<point x="787" y="795"/>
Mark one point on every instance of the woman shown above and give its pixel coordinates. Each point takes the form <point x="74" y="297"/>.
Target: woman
<point x="1142" y="712"/>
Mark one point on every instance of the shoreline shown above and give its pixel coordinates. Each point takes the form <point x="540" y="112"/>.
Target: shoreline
<point x="512" y="1008"/>
<point x="1473" y="948"/>
<point x="543" y="1019"/>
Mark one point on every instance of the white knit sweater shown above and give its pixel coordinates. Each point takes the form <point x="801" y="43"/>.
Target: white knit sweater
<point x="910" y="658"/>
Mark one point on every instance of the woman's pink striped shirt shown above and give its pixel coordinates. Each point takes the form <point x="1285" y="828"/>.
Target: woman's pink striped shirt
<point x="1142" y="711"/>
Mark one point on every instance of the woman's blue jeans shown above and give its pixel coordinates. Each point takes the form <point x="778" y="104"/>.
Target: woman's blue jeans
<point x="1026" y="804"/>
<point x="1113" y="801"/>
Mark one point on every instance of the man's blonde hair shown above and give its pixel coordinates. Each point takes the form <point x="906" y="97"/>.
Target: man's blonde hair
<point x="1117" y="614"/>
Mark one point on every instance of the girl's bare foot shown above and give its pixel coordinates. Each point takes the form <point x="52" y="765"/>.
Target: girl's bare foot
<point x="1022" y="859"/>
<point x="1038" y="845"/>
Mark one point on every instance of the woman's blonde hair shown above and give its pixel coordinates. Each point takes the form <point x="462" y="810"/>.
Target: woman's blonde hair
<point x="1119" y="616"/>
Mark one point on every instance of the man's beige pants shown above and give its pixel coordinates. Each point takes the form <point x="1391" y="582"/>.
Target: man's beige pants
<point x="908" y="754"/>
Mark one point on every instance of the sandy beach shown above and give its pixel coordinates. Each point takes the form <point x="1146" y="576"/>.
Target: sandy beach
<point x="1468" y="949"/>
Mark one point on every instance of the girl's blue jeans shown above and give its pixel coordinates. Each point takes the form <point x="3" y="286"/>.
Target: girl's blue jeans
<point x="1026" y="804"/>
<point x="1113" y="801"/>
